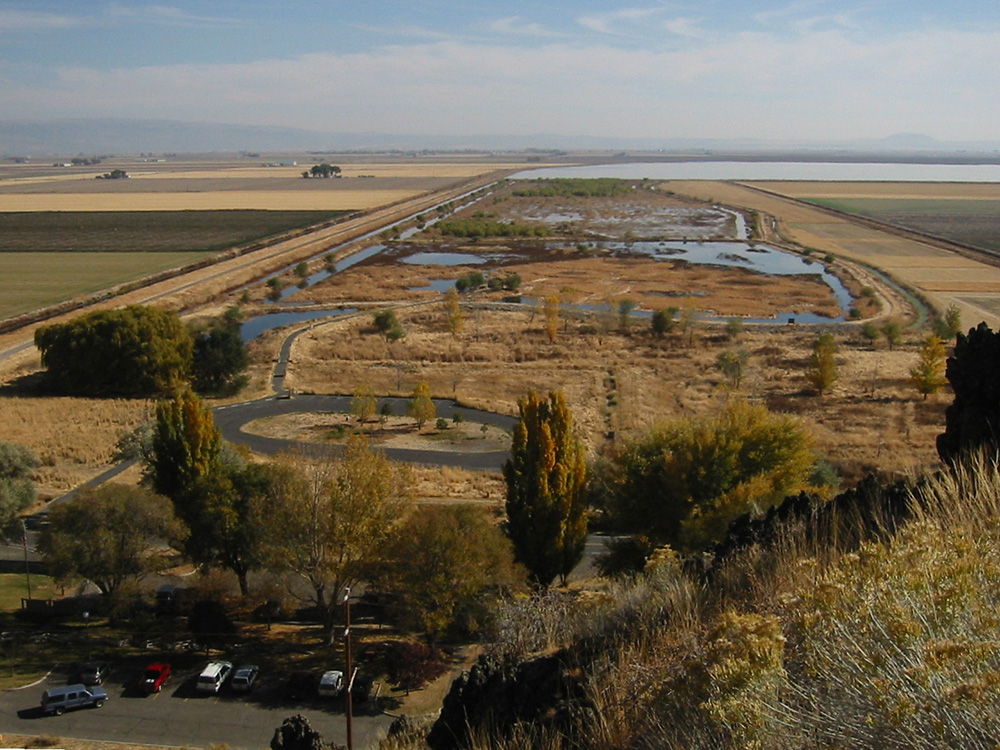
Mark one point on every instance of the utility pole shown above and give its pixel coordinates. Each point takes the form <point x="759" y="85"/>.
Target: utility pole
<point x="348" y="673"/>
<point x="24" y="546"/>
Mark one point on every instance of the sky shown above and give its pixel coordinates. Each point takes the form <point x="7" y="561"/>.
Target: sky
<point x="775" y="70"/>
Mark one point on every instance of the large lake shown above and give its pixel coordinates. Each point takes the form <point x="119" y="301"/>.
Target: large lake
<point x="751" y="170"/>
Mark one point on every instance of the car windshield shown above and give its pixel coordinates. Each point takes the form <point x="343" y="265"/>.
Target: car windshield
<point x="152" y="674"/>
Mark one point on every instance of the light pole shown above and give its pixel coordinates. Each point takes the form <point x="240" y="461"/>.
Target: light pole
<point x="348" y="671"/>
<point x="24" y="546"/>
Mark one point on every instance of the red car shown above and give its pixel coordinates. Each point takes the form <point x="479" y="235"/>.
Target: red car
<point x="153" y="678"/>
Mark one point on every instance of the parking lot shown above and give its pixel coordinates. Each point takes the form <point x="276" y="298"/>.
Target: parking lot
<point x="179" y="715"/>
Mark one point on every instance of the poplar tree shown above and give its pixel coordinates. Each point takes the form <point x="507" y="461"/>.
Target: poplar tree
<point x="545" y="478"/>
<point x="821" y="370"/>
<point x="928" y="374"/>
<point x="453" y="312"/>
<point x="186" y="445"/>
<point x="420" y="406"/>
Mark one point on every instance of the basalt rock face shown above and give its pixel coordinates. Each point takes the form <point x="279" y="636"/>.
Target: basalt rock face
<point x="973" y="419"/>
<point x="498" y="694"/>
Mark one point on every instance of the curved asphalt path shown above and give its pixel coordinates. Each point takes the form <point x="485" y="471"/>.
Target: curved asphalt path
<point x="231" y="419"/>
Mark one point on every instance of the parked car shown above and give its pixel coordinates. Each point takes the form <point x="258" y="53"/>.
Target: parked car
<point x="361" y="688"/>
<point x="58" y="700"/>
<point x="300" y="685"/>
<point x="244" y="678"/>
<point x="331" y="684"/>
<point x="153" y="678"/>
<point x="94" y="673"/>
<point x="214" y="676"/>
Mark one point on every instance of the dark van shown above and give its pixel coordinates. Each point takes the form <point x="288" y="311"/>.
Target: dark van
<point x="59" y="700"/>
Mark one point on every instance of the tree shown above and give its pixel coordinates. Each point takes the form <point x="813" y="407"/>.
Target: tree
<point x="444" y="565"/>
<point x="134" y="351"/>
<point x="109" y="535"/>
<point x="420" y="406"/>
<point x="388" y="325"/>
<point x="625" y="309"/>
<point x="821" y="367"/>
<point x="410" y="665"/>
<point x="323" y="170"/>
<point x="295" y="733"/>
<point x="186" y="445"/>
<point x="17" y="487"/>
<point x="949" y="326"/>
<point x="870" y="332"/>
<point x="893" y="333"/>
<point x="663" y="321"/>
<point x="219" y="359"/>
<point x="732" y="364"/>
<point x="545" y="478"/>
<point x="928" y="374"/>
<point x="972" y="422"/>
<point x="734" y="328"/>
<point x="210" y="623"/>
<point x="453" y="312"/>
<point x="329" y="518"/>
<point x="223" y="511"/>
<point x="684" y="482"/>
<point x="551" y="310"/>
<point x="364" y="403"/>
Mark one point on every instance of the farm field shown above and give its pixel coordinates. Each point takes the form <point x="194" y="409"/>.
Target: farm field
<point x="29" y="281"/>
<point x="182" y="211"/>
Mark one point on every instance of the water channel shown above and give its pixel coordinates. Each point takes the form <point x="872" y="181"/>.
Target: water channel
<point x="757" y="258"/>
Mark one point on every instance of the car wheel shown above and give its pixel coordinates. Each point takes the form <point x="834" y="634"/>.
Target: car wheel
<point x="59" y="711"/>
<point x="98" y="704"/>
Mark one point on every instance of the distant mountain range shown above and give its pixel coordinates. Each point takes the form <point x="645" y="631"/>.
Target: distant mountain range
<point x="122" y="136"/>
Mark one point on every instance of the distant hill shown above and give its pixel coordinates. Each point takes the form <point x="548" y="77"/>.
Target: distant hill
<point x="124" y="136"/>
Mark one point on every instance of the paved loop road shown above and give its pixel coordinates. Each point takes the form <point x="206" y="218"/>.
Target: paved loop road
<point x="231" y="419"/>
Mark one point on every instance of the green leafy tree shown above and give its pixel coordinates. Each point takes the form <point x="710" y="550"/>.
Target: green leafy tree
<point x="185" y="447"/>
<point x="734" y="328"/>
<point x="329" y="518"/>
<point x="870" y="332"/>
<point x="223" y="511"/>
<point x="949" y="326"/>
<point x="444" y="566"/>
<point x="893" y="333"/>
<point x="683" y="483"/>
<point x="972" y="422"/>
<point x="545" y="478"/>
<point x="388" y="325"/>
<point x="219" y="359"/>
<point x="821" y="367"/>
<point x="110" y="536"/>
<point x="664" y="321"/>
<point x="420" y="406"/>
<point x="134" y="351"/>
<point x="17" y="485"/>
<point x="928" y="374"/>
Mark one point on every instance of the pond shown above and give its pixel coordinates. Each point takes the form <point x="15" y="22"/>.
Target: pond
<point x="254" y="327"/>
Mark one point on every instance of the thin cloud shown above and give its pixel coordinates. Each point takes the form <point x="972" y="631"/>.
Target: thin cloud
<point x="411" y="32"/>
<point x="28" y="20"/>
<point x="685" y="27"/>
<point x="519" y="27"/>
<point x="168" y="15"/>
<point x="609" y="23"/>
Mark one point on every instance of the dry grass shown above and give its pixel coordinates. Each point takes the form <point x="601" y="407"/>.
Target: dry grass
<point x="73" y="437"/>
<point x="873" y="417"/>
<point x="67" y="743"/>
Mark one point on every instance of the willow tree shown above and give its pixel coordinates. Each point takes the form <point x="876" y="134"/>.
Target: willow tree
<point x="545" y="478"/>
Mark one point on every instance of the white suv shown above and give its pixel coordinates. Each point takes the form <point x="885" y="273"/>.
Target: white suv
<point x="213" y="676"/>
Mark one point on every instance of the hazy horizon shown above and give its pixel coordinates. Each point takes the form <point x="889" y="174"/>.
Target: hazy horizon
<point x="805" y="70"/>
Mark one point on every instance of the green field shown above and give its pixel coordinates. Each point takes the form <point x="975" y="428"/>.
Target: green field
<point x="50" y="257"/>
<point x="147" y="231"/>
<point x="29" y="281"/>
<point x="972" y="222"/>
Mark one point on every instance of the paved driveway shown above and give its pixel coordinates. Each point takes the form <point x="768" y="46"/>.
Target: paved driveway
<point x="180" y="717"/>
